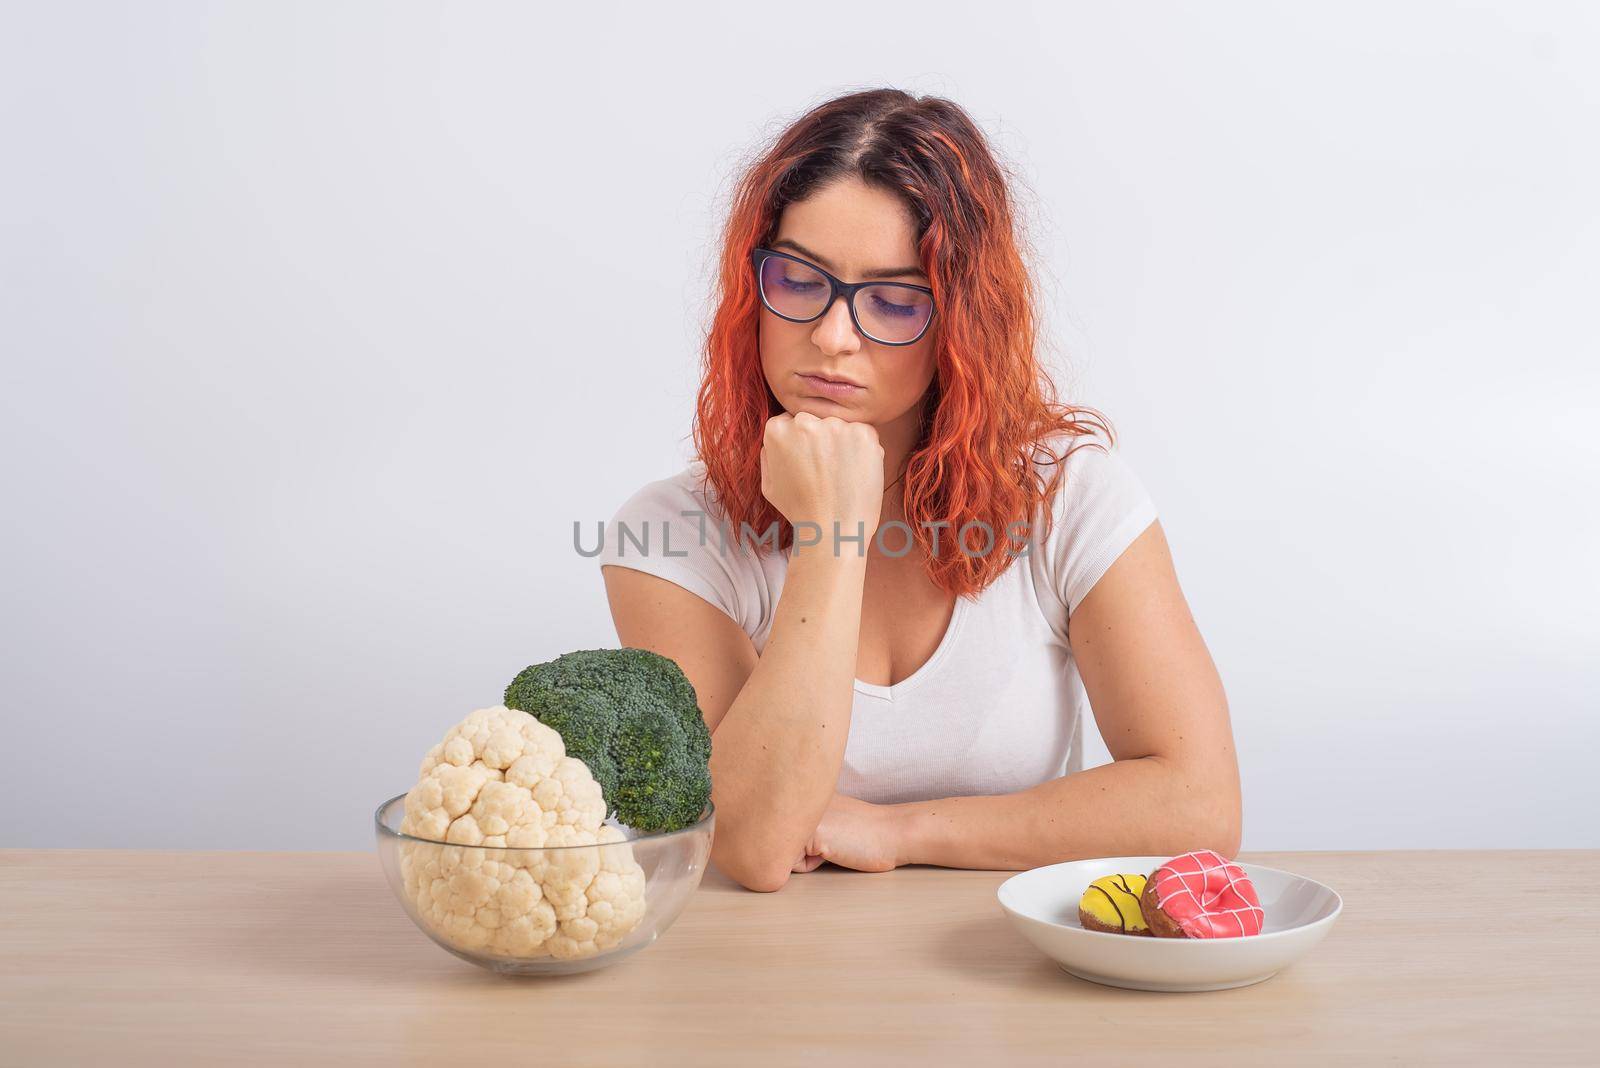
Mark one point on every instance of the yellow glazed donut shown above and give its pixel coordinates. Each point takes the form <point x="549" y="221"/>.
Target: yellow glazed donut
<point x="1111" y="903"/>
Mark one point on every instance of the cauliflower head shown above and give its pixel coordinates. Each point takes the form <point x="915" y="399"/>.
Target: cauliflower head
<point x="500" y="778"/>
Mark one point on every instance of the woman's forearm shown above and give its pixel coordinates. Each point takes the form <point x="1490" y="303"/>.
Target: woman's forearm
<point x="1142" y="806"/>
<point x="776" y="754"/>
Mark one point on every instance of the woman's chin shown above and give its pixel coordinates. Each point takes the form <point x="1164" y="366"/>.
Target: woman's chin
<point x="825" y="406"/>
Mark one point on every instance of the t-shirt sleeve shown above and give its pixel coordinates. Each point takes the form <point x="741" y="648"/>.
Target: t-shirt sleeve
<point x="1100" y="508"/>
<point x="650" y="532"/>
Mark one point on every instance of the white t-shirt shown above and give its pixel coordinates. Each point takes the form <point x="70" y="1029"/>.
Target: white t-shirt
<point x="999" y="706"/>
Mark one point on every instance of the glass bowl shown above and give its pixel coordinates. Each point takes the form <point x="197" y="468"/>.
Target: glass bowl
<point x="555" y="910"/>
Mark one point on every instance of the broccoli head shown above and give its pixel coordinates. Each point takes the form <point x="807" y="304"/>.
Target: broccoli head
<point x="632" y="717"/>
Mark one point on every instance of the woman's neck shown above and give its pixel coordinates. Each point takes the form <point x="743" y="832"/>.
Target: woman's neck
<point x="898" y="438"/>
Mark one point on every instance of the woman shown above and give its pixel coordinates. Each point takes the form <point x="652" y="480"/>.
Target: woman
<point x="877" y="693"/>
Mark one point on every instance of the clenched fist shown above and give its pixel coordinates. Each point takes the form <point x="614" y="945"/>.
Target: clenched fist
<point x="823" y="469"/>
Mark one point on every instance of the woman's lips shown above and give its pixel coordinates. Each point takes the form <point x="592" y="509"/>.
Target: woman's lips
<point x="834" y="390"/>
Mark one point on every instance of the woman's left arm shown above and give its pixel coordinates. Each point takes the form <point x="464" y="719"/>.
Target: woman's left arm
<point x="1173" y="785"/>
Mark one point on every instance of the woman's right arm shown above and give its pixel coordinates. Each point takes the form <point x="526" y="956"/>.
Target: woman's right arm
<point x="779" y="721"/>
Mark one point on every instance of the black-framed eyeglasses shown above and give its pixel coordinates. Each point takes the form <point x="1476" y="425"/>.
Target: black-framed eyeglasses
<point x="890" y="313"/>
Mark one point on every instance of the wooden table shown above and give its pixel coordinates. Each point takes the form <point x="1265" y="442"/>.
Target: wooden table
<point x="117" y="956"/>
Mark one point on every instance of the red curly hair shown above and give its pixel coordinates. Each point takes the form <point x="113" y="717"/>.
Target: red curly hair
<point x="991" y="405"/>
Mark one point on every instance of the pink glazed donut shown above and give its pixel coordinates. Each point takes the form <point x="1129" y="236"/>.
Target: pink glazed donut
<point x="1201" y="895"/>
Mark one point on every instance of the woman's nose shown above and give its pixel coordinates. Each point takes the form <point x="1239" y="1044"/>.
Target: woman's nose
<point x="835" y="332"/>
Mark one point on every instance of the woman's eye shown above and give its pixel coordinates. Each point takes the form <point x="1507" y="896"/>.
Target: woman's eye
<point x="890" y="308"/>
<point x="799" y="286"/>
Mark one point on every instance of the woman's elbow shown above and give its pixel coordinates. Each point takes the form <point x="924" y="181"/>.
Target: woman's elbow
<point x="1221" y="836"/>
<point x="1214" y="807"/>
<point x="752" y="873"/>
<point x="1222" y="828"/>
<point x="1227" y="838"/>
<point x="765" y="883"/>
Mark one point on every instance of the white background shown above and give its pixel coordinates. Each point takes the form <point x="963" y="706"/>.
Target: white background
<point x="322" y="323"/>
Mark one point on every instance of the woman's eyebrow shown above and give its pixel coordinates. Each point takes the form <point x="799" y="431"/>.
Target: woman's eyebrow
<point x="887" y="272"/>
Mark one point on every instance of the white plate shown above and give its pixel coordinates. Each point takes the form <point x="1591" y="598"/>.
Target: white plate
<point x="1043" y="903"/>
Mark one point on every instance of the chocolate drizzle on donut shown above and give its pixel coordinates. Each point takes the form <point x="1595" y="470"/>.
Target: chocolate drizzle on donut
<point x="1121" y="882"/>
